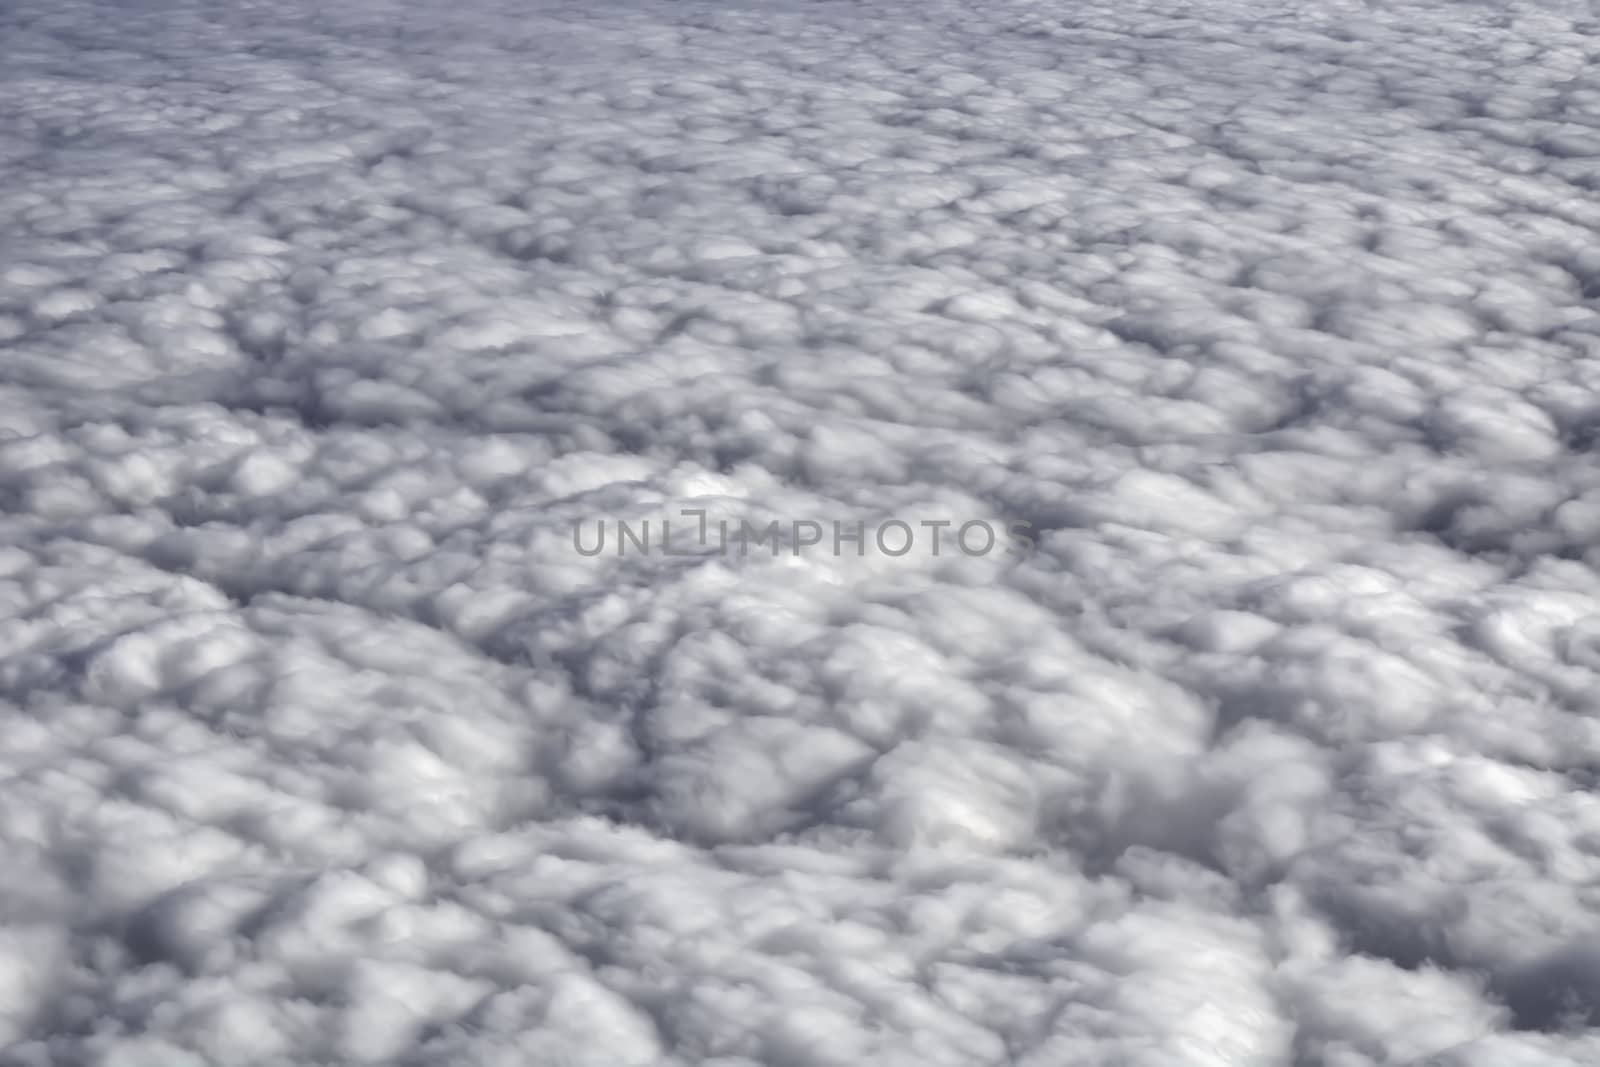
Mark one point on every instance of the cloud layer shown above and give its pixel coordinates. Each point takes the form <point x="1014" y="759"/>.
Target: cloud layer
<point x="322" y="327"/>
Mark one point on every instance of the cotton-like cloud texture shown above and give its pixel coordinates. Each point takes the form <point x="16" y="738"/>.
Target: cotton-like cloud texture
<point x="323" y="325"/>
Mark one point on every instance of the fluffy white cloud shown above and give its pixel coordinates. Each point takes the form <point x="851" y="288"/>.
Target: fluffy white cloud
<point x="323" y="328"/>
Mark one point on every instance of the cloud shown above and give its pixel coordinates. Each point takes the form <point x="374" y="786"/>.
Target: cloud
<point x="323" y="328"/>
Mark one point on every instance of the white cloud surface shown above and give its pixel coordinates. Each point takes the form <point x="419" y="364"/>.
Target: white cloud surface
<point x="322" y="327"/>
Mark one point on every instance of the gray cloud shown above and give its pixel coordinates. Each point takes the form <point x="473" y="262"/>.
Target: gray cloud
<point x="322" y="327"/>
